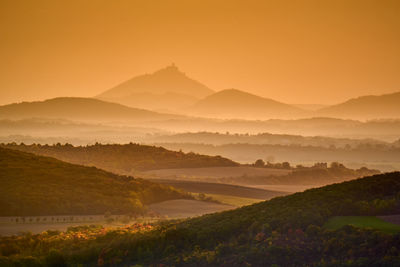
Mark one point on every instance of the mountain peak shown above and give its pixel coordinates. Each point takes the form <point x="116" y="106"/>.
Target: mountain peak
<point x="234" y="103"/>
<point x="167" y="80"/>
<point x="171" y="69"/>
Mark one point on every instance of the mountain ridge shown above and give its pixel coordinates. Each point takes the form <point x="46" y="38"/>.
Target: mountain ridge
<point x="366" y="107"/>
<point x="78" y="108"/>
<point x="234" y="103"/>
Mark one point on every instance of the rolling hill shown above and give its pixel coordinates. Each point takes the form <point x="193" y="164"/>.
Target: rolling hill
<point x="366" y="107"/>
<point x="32" y="185"/>
<point x="222" y="189"/>
<point x="76" y="108"/>
<point x="165" y="102"/>
<point x="293" y="230"/>
<point x="124" y="159"/>
<point x="168" y="88"/>
<point x="215" y="138"/>
<point x="236" y="104"/>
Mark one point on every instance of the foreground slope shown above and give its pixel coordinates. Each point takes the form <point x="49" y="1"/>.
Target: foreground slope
<point x="366" y="107"/>
<point x="78" y="108"/>
<point x="285" y="231"/>
<point x="36" y="185"/>
<point x="236" y="104"/>
<point x="124" y="159"/>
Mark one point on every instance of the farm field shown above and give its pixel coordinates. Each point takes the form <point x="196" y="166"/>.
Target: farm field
<point x="284" y="187"/>
<point x="182" y="208"/>
<point x="9" y="228"/>
<point x="214" y="172"/>
<point x="233" y="200"/>
<point x="222" y="189"/>
<point x="14" y="229"/>
<point x="373" y="222"/>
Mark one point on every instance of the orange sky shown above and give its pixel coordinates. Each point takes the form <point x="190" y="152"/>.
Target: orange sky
<point x="292" y="51"/>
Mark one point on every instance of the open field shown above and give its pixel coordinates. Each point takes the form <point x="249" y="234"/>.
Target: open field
<point x="182" y="208"/>
<point x="173" y="209"/>
<point x="215" y="172"/>
<point x="222" y="189"/>
<point x="362" y="222"/>
<point x="395" y="219"/>
<point x="233" y="200"/>
<point x="283" y="187"/>
<point x="13" y="229"/>
<point x="7" y="229"/>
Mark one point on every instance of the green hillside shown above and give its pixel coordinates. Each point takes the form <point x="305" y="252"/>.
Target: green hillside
<point x="36" y="185"/>
<point x="124" y="159"/>
<point x="285" y="231"/>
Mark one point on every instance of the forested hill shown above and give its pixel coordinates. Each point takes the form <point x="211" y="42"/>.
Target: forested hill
<point x="125" y="159"/>
<point x="284" y="231"/>
<point x="37" y="185"/>
<point x="288" y="231"/>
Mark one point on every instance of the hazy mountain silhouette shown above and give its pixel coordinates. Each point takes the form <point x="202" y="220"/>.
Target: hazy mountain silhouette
<point x="366" y="107"/>
<point x="157" y="102"/>
<point x="233" y="103"/>
<point x="77" y="108"/>
<point x="166" y="80"/>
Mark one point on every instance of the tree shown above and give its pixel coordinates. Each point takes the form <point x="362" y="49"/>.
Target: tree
<point x="259" y="163"/>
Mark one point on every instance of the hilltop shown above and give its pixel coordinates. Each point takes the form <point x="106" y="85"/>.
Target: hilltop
<point x="125" y="159"/>
<point x="236" y="104"/>
<point x="167" y="88"/>
<point x="37" y="185"/>
<point x="78" y="108"/>
<point x="366" y="107"/>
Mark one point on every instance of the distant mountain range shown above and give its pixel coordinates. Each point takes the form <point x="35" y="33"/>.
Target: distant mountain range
<point x="87" y="109"/>
<point x="366" y="107"/>
<point x="148" y="97"/>
<point x="170" y="90"/>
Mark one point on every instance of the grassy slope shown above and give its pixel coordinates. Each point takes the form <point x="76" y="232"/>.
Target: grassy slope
<point x="234" y="200"/>
<point x="222" y="189"/>
<point x="36" y="185"/>
<point x="363" y="222"/>
<point x="125" y="159"/>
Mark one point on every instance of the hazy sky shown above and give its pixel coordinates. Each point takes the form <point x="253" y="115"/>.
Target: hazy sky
<point x="294" y="51"/>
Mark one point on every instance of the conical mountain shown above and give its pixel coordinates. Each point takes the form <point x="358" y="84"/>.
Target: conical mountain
<point x="167" y="80"/>
<point x="233" y="103"/>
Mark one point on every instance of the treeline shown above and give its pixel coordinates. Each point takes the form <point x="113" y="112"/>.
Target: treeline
<point x="285" y="231"/>
<point x="386" y="158"/>
<point x="318" y="174"/>
<point x="37" y="185"/>
<point x="269" y="139"/>
<point x="123" y="159"/>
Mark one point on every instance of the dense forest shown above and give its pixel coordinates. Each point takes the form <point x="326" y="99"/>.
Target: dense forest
<point x="124" y="159"/>
<point x="284" y="231"/>
<point x="37" y="185"/>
